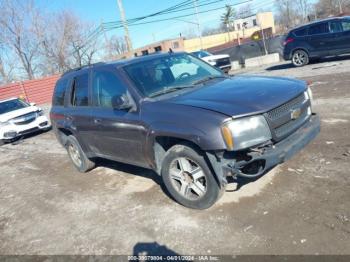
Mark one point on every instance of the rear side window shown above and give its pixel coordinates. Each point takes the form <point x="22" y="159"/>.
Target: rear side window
<point x="80" y="92"/>
<point x="335" y="27"/>
<point x="301" y="32"/>
<point x="59" y="93"/>
<point x="318" y="29"/>
<point x="346" y="25"/>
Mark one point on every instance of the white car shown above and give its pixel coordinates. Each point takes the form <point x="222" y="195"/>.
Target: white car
<point x="221" y="61"/>
<point x="18" y="118"/>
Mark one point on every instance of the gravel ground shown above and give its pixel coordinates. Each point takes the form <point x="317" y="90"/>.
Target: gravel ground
<point x="300" y="207"/>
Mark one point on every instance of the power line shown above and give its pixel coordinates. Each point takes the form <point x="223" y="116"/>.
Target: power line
<point x="133" y="22"/>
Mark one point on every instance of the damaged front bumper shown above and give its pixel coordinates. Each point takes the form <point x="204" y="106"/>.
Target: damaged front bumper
<point x="256" y="162"/>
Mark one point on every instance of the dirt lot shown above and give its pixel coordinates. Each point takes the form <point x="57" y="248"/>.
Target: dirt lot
<point x="301" y="207"/>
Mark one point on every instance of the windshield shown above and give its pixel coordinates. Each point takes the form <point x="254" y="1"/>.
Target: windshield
<point x="12" y="105"/>
<point x="174" y="72"/>
<point x="201" y="54"/>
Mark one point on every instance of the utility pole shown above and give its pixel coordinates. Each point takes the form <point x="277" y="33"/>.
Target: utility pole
<point x="125" y="25"/>
<point x="198" y="24"/>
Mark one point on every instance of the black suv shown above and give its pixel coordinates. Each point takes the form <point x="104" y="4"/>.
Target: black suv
<point x="328" y="37"/>
<point x="184" y="119"/>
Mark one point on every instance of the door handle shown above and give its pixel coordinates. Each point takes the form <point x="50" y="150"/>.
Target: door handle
<point x="97" y="121"/>
<point x="69" y="118"/>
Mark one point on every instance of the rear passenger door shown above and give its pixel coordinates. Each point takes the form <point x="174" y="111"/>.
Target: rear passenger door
<point x="319" y="39"/>
<point x="336" y="43"/>
<point x="78" y="116"/>
<point x="118" y="133"/>
<point x="346" y="35"/>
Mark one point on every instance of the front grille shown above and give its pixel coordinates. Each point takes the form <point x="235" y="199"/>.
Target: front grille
<point x="223" y="61"/>
<point x="25" y="119"/>
<point x="281" y="121"/>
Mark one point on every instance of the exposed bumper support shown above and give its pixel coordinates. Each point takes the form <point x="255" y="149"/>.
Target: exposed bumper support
<point x="267" y="158"/>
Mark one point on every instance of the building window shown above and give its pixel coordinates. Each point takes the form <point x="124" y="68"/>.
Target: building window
<point x="144" y="52"/>
<point x="254" y="22"/>
<point x="176" y="45"/>
<point x="158" y="49"/>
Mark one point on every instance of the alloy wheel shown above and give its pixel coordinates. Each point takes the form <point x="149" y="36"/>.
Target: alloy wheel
<point x="300" y="58"/>
<point x="188" y="178"/>
<point x="75" y="154"/>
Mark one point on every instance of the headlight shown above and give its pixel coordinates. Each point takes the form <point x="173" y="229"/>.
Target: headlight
<point x="245" y="132"/>
<point x="3" y="124"/>
<point x="40" y="113"/>
<point x="309" y="92"/>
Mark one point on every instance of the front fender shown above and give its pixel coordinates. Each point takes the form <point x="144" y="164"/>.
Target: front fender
<point x="205" y="140"/>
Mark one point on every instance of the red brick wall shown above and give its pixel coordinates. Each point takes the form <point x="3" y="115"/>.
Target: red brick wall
<point x="38" y="90"/>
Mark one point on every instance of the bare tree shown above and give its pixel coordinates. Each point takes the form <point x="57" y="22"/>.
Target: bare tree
<point x="303" y="10"/>
<point x="16" y="19"/>
<point x="245" y="11"/>
<point x="327" y="8"/>
<point x="115" y="46"/>
<point x="65" y="42"/>
<point x="287" y="14"/>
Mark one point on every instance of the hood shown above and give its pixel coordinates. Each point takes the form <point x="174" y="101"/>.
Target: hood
<point x="17" y="113"/>
<point x="215" y="57"/>
<point x="243" y="95"/>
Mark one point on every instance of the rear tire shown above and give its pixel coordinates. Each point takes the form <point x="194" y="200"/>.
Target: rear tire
<point x="77" y="155"/>
<point x="300" y="58"/>
<point x="188" y="178"/>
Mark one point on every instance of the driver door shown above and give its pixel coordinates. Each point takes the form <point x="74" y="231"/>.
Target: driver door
<point x="118" y="133"/>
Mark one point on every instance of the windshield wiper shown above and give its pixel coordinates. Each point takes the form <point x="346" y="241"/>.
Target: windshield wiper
<point x="206" y="79"/>
<point x="167" y="90"/>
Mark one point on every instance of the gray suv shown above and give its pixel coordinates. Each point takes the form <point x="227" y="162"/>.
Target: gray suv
<point x="183" y="118"/>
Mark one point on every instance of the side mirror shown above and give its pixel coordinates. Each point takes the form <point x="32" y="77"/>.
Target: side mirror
<point x="32" y="104"/>
<point x="121" y="102"/>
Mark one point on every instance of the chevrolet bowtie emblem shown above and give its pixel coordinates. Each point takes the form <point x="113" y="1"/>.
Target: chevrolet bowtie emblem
<point x="295" y="114"/>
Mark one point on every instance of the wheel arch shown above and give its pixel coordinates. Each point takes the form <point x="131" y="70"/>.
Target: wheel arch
<point x="162" y="143"/>
<point x="63" y="134"/>
<point x="300" y="48"/>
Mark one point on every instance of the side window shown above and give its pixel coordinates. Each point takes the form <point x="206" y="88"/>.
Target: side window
<point x="301" y="32"/>
<point x="59" y="93"/>
<point x="346" y="25"/>
<point x="106" y="85"/>
<point x="335" y="27"/>
<point x="317" y="29"/>
<point x="80" y="93"/>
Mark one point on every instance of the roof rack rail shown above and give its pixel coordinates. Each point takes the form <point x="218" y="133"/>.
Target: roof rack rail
<point x="82" y="67"/>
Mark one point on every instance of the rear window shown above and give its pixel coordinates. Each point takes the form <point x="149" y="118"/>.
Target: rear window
<point x="301" y="32"/>
<point x="59" y="93"/>
<point x="317" y="29"/>
<point x="80" y="90"/>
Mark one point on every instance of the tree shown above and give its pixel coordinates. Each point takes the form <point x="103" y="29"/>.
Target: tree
<point x="287" y="14"/>
<point x="327" y="8"/>
<point x="114" y="46"/>
<point x="17" y="19"/>
<point x="64" y="42"/>
<point x="228" y="17"/>
<point x="245" y="11"/>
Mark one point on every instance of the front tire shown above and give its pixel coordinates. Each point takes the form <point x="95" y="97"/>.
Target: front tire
<point x="300" y="58"/>
<point x="188" y="178"/>
<point x="77" y="155"/>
